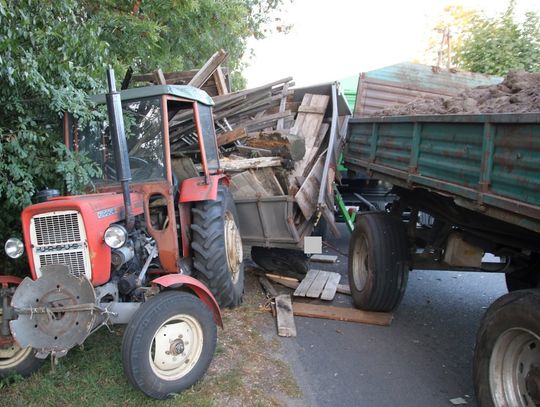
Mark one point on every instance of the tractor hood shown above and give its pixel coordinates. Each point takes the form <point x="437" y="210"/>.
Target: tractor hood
<point x="74" y="224"/>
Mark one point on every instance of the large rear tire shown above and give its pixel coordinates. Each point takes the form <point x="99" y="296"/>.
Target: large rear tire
<point x="168" y="344"/>
<point x="506" y="366"/>
<point x="217" y="248"/>
<point x="14" y="360"/>
<point x="378" y="262"/>
<point x="526" y="277"/>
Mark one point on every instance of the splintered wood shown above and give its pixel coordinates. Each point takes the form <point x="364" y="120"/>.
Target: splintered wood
<point x="274" y="127"/>
<point x="318" y="284"/>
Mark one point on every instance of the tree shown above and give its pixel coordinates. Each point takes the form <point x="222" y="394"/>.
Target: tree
<point x="54" y="53"/>
<point x="449" y="34"/>
<point x="496" y="46"/>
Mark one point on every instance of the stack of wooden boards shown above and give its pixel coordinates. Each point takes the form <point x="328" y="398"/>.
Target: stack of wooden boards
<point x="272" y="139"/>
<point x="316" y="285"/>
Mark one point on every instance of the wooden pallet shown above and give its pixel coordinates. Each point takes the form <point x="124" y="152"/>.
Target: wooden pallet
<point x="318" y="284"/>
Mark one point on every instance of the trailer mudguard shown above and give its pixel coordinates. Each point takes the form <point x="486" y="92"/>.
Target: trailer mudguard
<point x="197" y="287"/>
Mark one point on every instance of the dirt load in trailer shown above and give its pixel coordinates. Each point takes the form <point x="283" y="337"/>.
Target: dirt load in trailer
<point x="477" y="174"/>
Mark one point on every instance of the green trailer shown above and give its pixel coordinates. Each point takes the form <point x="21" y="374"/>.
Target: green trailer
<point x="478" y="177"/>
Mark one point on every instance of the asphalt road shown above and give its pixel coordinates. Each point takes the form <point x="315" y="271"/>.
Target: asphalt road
<point x="423" y="359"/>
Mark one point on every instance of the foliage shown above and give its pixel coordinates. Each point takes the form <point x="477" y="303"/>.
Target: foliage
<point x="500" y="45"/>
<point x="455" y="21"/>
<point x="45" y="68"/>
<point x="487" y="45"/>
<point x="54" y="53"/>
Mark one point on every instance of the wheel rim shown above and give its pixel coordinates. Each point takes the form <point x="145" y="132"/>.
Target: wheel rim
<point x="11" y="354"/>
<point x="176" y="347"/>
<point x="233" y="246"/>
<point x="514" y="369"/>
<point x="360" y="262"/>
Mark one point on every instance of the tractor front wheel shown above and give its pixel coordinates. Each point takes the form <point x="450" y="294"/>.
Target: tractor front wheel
<point x="14" y="360"/>
<point x="169" y="344"/>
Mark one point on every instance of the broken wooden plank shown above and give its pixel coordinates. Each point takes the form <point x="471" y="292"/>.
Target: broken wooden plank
<point x="159" y="77"/>
<point x="286" y="145"/>
<point x="329" y="291"/>
<point x="231" y="136"/>
<point x="294" y="283"/>
<point x="308" y="122"/>
<point x="342" y="314"/>
<point x="221" y="83"/>
<point x="285" y="317"/>
<point x="282" y="105"/>
<point x="316" y="288"/>
<point x="208" y="68"/>
<point x="307" y="195"/>
<point x="323" y="258"/>
<point x="269" y="181"/>
<point x="268" y="287"/>
<point x="306" y="283"/>
<point x="249" y="163"/>
<point x="245" y="185"/>
<point x="284" y="281"/>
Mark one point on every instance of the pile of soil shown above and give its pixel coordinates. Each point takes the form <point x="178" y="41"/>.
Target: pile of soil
<point x="518" y="93"/>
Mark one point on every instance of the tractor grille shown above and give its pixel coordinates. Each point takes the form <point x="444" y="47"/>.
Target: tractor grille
<point x="60" y="238"/>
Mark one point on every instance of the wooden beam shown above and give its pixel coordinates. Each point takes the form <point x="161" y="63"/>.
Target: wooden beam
<point x="330" y="289"/>
<point x="282" y="105"/>
<point x="208" y="68"/>
<point x="294" y="283"/>
<point x="231" y="136"/>
<point x="285" y="317"/>
<point x="159" y="78"/>
<point x="342" y="314"/>
<point x="268" y="287"/>
<point x="323" y="258"/>
<point x="221" y="83"/>
<point x="303" y="288"/>
<point x="250" y="163"/>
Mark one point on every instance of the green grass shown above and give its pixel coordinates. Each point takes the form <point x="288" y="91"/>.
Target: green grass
<point x="243" y="372"/>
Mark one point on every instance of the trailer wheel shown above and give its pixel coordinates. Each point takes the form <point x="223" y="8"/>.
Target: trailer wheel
<point x="168" y="344"/>
<point x="378" y="262"/>
<point x="285" y="262"/>
<point x="13" y="358"/>
<point x="217" y="248"/>
<point x="506" y="364"/>
<point x="525" y="277"/>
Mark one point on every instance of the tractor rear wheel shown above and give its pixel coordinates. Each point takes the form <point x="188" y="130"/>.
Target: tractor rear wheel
<point x="168" y="344"/>
<point x="14" y="360"/>
<point x="217" y="248"/>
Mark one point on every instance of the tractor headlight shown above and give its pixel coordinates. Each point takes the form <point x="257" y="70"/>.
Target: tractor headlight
<point x="115" y="236"/>
<point x="14" y="247"/>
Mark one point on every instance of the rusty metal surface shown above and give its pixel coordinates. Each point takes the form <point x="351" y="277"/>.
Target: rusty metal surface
<point x="491" y="162"/>
<point x="402" y="83"/>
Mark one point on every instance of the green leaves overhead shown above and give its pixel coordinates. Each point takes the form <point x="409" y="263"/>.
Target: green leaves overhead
<point x="54" y="53"/>
<point x="477" y="43"/>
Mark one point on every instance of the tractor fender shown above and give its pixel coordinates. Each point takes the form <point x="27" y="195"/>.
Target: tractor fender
<point x="197" y="287"/>
<point x="201" y="188"/>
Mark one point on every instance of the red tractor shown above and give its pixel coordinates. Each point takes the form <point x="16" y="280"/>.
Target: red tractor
<point x="151" y="247"/>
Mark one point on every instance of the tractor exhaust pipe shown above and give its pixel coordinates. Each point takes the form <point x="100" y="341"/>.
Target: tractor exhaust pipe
<point x="116" y="126"/>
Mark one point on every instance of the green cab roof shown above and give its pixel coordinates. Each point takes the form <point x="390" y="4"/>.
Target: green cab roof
<point x="181" y="91"/>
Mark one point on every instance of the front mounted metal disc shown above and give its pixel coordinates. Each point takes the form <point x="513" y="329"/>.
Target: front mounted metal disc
<point x="55" y="312"/>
